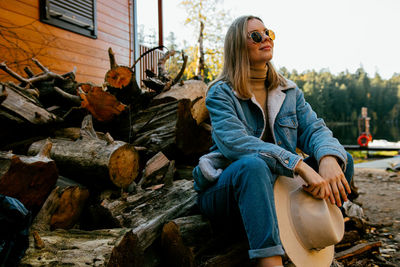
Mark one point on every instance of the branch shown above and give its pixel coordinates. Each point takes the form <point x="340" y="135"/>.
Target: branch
<point x="13" y="74"/>
<point x="73" y="98"/>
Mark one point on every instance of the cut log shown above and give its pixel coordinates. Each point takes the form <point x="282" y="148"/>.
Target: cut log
<point x="189" y="241"/>
<point x="28" y="179"/>
<point x="121" y="81"/>
<point x="21" y="107"/>
<point x="193" y="90"/>
<point x="112" y="247"/>
<point x="72" y="201"/>
<point x="146" y="212"/>
<point x="155" y="170"/>
<point x="169" y="128"/>
<point x="91" y="160"/>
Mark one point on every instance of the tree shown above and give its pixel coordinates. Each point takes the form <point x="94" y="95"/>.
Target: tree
<point x="209" y="21"/>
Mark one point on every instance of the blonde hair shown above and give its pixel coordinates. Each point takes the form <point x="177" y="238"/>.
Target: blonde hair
<point x="236" y="68"/>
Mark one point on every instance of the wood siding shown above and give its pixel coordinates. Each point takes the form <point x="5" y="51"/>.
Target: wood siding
<point x="23" y="35"/>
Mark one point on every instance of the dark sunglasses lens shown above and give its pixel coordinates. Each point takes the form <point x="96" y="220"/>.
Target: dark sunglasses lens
<point x="256" y="37"/>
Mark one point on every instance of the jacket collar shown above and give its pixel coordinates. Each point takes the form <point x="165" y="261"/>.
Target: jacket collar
<point x="275" y="101"/>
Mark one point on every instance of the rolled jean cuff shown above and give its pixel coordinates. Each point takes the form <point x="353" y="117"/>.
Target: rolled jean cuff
<point x="266" y="252"/>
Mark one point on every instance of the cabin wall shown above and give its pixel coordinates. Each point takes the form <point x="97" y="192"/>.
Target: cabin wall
<point x="22" y="36"/>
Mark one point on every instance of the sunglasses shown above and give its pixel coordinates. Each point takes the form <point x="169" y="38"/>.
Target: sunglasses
<point x="257" y="37"/>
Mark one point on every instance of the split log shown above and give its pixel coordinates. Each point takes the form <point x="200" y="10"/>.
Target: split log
<point x="22" y="107"/>
<point x="169" y="128"/>
<point x="191" y="241"/>
<point x="28" y="179"/>
<point x="111" y="247"/>
<point x="146" y="212"/>
<point x="71" y="204"/>
<point x="93" y="161"/>
<point x="193" y="90"/>
<point x="155" y="170"/>
<point x="101" y="104"/>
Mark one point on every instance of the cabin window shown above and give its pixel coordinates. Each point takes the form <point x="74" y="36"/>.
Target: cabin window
<point x="74" y="15"/>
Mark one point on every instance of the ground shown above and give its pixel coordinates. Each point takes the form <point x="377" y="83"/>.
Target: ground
<point x="380" y="199"/>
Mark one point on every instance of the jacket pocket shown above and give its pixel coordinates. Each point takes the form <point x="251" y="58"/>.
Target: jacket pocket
<point x="288" y="121"/>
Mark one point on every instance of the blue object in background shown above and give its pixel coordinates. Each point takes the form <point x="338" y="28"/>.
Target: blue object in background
<point x="15" y="221"/>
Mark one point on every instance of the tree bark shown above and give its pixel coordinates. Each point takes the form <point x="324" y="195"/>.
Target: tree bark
<point x="191" y="241"/>
<point x="169" y="128"/>
<point x="72" y="201"/>
<point x="155" y="170"/>
<point x="146" y="212"/>
<point x="195" y="91"/>
<point x="91" y="160"/>
<point x="121" y="81"/>
<point x="21" y="107"/>
<point x="111" y="247"/>
<point x="28" y="179"/>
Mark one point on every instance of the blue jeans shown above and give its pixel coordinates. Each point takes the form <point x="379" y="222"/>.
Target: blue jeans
<point x="243" y="195"/>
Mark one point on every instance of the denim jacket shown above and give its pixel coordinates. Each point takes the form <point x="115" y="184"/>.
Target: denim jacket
<point x="238" y="125"/>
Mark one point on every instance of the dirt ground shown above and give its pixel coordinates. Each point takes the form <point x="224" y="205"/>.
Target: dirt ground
<point x="380" y="199"/>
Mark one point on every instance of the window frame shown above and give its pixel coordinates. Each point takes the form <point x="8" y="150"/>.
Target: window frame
<point x="52" y="17"/>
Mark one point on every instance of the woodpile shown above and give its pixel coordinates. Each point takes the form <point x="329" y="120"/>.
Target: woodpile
<point x="106" y="172"/>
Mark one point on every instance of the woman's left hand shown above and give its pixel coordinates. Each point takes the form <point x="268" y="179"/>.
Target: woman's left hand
<point x="330" y="170"/>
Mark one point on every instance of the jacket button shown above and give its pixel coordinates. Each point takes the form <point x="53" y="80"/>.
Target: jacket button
<point x="279" y="143"/>
<point x="286" y="161"/>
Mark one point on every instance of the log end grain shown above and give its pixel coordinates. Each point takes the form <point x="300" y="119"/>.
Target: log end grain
<point x="124" y="166"/>
<point x="119" y="77"/>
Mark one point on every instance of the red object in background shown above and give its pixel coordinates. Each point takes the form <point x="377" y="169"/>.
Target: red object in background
<point x="364" y="139"/>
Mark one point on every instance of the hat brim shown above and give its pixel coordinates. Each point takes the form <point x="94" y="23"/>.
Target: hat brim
<point x="298" y="254"/>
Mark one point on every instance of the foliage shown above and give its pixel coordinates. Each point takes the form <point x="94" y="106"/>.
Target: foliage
<point x="340" y="97"/>
<point x="215" y="20"/>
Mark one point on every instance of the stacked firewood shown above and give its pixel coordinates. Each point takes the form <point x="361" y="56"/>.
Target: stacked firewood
<point x="106" y="172"/>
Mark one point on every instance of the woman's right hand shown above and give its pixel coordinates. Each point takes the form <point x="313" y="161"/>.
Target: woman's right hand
<point x="316" y="185"/>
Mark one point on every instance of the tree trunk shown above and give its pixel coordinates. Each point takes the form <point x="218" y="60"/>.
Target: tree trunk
<point x="93" y="160"/>
<point x="28" y="179"/>
<point x="200" y="68"/>
<point x="148" y="211"/>
<point x="193" y="90"/>
<point x="112" y="247"/>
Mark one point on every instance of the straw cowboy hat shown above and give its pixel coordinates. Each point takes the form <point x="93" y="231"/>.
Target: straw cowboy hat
<point x="308" y="227"/>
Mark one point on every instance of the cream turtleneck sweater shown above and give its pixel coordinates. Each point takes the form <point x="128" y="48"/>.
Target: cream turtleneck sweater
<point x="257" y="86"/>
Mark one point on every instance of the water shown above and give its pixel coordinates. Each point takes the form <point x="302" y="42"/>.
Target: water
<point x="348" y="133"/>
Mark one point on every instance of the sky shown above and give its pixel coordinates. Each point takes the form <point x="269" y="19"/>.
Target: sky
<point x="337" y="35"/>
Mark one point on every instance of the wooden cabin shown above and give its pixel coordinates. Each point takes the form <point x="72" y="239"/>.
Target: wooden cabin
<point x="63" y="34"/>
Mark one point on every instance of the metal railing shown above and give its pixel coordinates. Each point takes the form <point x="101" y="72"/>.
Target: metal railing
<point x="149" y="61"/>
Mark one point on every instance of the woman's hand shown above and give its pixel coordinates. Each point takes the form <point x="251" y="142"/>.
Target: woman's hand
<point x="316" y="185"/>
<point x="331" y="172"/>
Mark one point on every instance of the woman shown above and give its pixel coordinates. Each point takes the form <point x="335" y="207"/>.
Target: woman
<point x="258" y="119"/>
